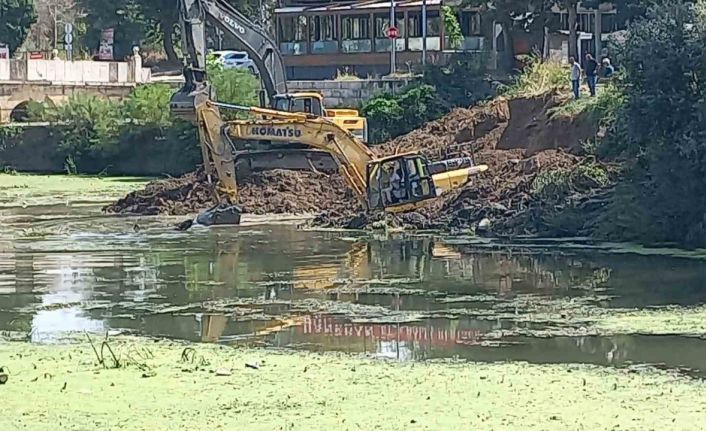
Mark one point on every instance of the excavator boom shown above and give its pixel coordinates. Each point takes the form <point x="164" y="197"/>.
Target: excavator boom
<point x="254" y="40"/>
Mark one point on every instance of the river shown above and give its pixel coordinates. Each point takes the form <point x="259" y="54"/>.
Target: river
<point x="65" y="269"/>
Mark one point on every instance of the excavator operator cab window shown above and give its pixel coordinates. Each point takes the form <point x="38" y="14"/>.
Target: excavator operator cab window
<point x="310" y="105"/>
<point x="293" y="103"/>
<point x="399" y="181"/>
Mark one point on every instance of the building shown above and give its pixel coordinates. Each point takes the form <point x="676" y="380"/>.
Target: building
<point x="320" y="39"/>
<point x="602" y="21"/>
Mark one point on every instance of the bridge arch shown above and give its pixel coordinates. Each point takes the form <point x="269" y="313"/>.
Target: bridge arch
<point x="20" y="112"/>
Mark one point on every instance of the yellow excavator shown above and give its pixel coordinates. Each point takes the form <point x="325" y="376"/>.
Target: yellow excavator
<point x="397" y="183"/>
<point x="401" y="182"/>
<point x="264" y="52"/>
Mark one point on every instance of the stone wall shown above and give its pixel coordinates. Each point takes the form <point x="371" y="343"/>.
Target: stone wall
<point x="349" y="94"/>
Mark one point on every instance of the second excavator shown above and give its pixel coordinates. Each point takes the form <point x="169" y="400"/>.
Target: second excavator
<point x="397" y="183"/>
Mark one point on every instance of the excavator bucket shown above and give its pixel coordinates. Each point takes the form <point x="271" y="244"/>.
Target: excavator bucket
<point x="195" y="92"/>
<point x="220" y="215"/>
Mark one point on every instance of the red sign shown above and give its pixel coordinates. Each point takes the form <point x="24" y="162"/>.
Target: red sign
<point x="393" y="33"/>
<point x="36" y="55"/>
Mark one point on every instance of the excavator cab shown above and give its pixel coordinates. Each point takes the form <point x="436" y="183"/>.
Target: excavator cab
<point x="398" y="182"/>
<point x="309" y="103"/>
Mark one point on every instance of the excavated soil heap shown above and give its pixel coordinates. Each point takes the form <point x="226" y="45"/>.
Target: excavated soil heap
<point x="517" y="139"/>
<point x="284" y="192"/>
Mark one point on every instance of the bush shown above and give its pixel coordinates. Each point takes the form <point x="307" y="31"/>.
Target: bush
<point x="137" y="135"/>
<point x="392" y="115"/>
<point x="148" y="105"/>
<point x="538" y="77"/>
<point x="461" y="83"/>
<point x="234" y="86"/>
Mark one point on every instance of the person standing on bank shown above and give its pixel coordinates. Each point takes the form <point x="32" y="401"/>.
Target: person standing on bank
<point x="575" y="77"/>
<point x="590" y="67"/>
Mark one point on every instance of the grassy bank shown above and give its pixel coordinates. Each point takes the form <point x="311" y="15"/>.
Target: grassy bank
<point x="24" y="189"/>
<point x="165" y="385"/>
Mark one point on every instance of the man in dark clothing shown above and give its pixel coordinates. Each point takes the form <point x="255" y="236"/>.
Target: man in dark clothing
<point x="590" y="67"/>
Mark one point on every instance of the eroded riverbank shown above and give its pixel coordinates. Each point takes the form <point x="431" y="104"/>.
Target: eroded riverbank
<point x="256" y="389"/>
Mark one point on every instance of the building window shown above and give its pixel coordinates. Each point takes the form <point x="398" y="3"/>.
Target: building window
<point x="323" y="32"/>
<point x="433" y="24"/>
<point x="291" y="32"/>
<point x="382" y="23"/>
<point x="608" y="23"/>
<point x="470" y="23"/>
<point x="322" y="28"/>
<point x="355" y="34"/>
<point x="356" y="27"/>
<point x="586" y="22"/>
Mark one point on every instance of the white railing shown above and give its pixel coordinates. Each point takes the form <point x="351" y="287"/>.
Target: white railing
<point x="59" y="71"/>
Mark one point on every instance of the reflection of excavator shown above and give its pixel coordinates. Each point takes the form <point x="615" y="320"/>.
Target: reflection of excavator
<point x="395" y="184"/>
<point x="266" y="56"/>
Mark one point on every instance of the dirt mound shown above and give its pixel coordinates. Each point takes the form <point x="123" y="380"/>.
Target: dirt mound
<point x="502" y="124"/>
<point x="279" y="192"/>
<point x="518" y="139"/>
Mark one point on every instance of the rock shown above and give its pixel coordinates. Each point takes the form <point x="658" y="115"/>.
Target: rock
<point x="498" y="207"/>
<point x="253" y="365"/>
<point x="483" y="225"/>
<point x="223" y="372"/>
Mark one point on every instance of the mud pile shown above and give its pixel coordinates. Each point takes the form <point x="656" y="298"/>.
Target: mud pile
<point x="518" y="139"/>
<point x="282" y="192"/>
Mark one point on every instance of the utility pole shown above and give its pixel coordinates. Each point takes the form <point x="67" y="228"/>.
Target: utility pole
<point x="393" y="45"/>
<point x="56" y="25"/>
<point x="424" y="32"/>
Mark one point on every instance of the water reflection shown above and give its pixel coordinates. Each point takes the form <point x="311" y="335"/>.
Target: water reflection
<point x="281" y="286"/>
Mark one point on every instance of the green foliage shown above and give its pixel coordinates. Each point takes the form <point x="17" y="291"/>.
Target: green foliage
<point x="660" y="133"/>
<point x="136" y="135"/>
<point x="16" y="17"/>
<point x="234" y="86"/>
<point x="452" y="29"/>
<point x="392" y="115"/>
<point x="147" y="105"/>
<point x="461" y="83"/>
<point x="538" y="77"/>
<point x="552" y="185"/>
<point x="603" y="108"/>
<point x="89" y="127"/>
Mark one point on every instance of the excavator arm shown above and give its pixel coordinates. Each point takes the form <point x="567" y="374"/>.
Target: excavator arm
<point x="351" y="155"/>
<point x="253" y="38"/>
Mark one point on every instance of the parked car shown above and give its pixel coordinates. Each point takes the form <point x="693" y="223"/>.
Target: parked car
<point x="235" y="60"/>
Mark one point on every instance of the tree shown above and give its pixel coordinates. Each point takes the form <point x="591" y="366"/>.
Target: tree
<point x="16" y="16"/>
<point x="165" y="14"/>
<point x="664" y="122"/>
<point x="47" y="32"/>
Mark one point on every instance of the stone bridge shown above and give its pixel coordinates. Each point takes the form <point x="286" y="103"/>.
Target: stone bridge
<point x="54" y="81"/>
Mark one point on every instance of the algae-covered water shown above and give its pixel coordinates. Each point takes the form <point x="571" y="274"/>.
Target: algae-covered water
<point x="274" y="327"/>
<point x="66" y="268"/>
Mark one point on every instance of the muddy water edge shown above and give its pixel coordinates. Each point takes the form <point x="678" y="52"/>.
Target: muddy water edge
<point x="349" y="300"/>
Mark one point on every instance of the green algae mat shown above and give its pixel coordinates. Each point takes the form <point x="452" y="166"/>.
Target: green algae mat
<point x="162" y="385"/>
<point x="29" y="190"/>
